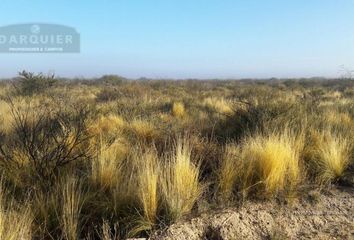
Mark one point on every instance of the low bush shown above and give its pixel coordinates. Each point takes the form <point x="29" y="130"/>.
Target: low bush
<point x="29" y="84"/>
<point x="43" y="141"/>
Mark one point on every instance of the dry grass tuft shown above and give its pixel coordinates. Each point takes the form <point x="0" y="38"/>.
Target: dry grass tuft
<point x="107" y="233"/>
<point x="6" y="119"/>
<point x="107" y="128"/>
<point x="147" y="192"/>
<point x="143" y="129"/>
<point x="178" y="109"/>
<point x="220" y="105"/>
<point x="328" y="155"/>
<point x="338" y="118"/>
<point x="227" y="174"/>
<point x="72" y="197"/>
<point x="271" y="162"/>
<point x="129" y="172"/>
<point x="180" y="185"/>
<point x="107" y="166"/>
<point x="15" y="222"/>
<point x="148" y="183"/>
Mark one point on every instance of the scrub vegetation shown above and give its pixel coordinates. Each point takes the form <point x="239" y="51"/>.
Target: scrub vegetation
<point x="112" y="158"/>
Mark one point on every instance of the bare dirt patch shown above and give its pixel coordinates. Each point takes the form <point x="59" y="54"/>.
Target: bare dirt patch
<point x="328" y="215"/>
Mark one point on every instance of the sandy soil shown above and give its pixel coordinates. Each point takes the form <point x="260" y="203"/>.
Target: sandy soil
<point x="326" y="215"/>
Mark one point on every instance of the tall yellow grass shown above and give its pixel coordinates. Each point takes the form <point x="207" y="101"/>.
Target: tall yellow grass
<point x="180" y="185"/>
<point x="328" y="155"/>
<point x="220" y="105"/>
<point x="107" y="128"/>
<point x="228" y="172"/>
<point x="5" y="116"/>
<point x="143" y="129"/>
<point x="148" y="183"/>
<point x="15" y="222"/>
<point x="178" y="109"/>
<point x="107" y="166"/>
<point x="271" y="162"/>
<point x="72" y="197"/>
<point x="141" y="187"/>
<point x="147" y="192"/>
<point x="334" y="117"/>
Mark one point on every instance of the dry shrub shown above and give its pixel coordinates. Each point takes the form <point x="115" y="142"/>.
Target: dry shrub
<point x="29" y="84"/>
<point x="328" y="155"/>
<point x="48" y="139"/>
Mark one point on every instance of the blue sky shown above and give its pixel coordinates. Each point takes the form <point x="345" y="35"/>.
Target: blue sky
<point x="191" y="38"/>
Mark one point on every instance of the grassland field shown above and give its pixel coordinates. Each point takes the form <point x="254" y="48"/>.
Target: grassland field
<point x="112" y="158"/>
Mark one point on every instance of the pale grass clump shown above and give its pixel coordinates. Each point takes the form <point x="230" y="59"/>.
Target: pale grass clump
<point x="227" y="173"/>
<point x="147" y="191"/>
<point x="14" y="174"/>
<point x="178" y="109"/>
<point x="342" y="102"/>
<point x="107" y="128"/>
<point x="111" y="123"/>
<point x="15" y="222"/>
<point x="143" y="129"/>
<point x="271" y="162"/>
<point x="334" y="117"/>
<point x="123" y="184"/>
<point x="148" y="182"/>
<point x="17" y="104"/>
<point x="328" y="155"/>
<point x="6" y="119"/>
<point x="220" y="105"/>
<point x="72" y="200"/>
<point x="180" y="185"/>
<point x="106" y="168"/>
<point x="333" y="94"/>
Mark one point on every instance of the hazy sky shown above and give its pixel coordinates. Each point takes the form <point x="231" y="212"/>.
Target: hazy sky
<point x="191" y="38"/>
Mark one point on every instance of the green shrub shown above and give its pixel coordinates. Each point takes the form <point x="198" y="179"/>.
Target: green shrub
<point x="29" y="83"/>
